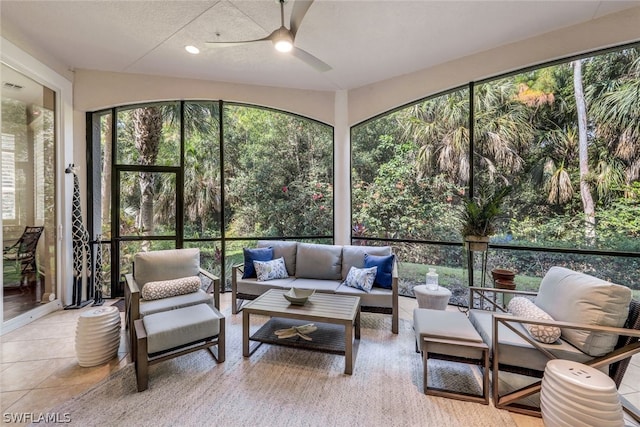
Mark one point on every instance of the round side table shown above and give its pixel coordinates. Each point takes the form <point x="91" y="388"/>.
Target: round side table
<point x="437" y="299"/>
<point x="573" y="394"/>
<point x="97" y="336"/>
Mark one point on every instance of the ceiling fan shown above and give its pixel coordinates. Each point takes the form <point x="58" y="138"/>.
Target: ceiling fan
<point x="283" y="37"/>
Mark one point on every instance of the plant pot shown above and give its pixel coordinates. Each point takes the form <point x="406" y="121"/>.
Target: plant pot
<point x="477" y="243"/>
<point x="503" y="274"/>
<point x="503" y="284"/>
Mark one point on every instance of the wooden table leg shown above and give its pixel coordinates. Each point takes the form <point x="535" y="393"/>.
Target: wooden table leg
<point x="245" y="333"/>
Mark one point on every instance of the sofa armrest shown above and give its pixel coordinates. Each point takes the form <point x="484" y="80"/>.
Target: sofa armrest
<point x="394" y="302"/>
<point x="235" y="269"/>
<point x="480" y="291"/>
<point x="216" y="286"/>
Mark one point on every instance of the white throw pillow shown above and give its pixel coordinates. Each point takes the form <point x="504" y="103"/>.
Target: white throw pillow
<point x="523" y="307"/>
<point x="361" y="278"/>
<point x="170" y="288"/>
<point x="270" y="270"/>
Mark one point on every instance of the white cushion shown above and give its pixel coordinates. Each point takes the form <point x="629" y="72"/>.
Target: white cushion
<point x="170" y="288"/>
<point x="270" y="270"/>
<point x="361" y="278"/>
<point x="523" y="307"/>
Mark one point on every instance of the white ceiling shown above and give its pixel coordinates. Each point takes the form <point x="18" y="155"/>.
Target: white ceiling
<point x="363" y="40"/>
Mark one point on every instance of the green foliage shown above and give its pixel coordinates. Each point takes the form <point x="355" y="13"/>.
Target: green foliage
<point x="480" y="213"/>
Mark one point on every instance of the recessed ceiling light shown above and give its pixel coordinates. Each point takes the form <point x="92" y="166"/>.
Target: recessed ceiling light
<point x="192" y="49"/>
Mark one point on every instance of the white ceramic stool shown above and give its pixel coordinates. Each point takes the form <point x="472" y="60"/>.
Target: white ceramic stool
<point x="436" y="299"/>
<point x="97" y="336"/>
<point x="574" y="394"/>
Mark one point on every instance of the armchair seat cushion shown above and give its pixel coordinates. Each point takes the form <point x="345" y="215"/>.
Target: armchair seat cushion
<point x="174" y="328"/>
<point x="180" y="301"/>
<point x="515" y="351"/>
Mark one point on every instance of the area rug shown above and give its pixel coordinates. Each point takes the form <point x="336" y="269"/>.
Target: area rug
<point x="279" y="386"/>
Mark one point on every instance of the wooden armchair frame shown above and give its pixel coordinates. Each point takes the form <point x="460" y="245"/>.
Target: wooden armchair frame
<point x="618" y="359"/>
<point x="132" y="303"/>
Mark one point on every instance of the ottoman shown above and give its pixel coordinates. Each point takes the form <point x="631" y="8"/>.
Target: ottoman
<point x="449" y="335"/>
<point x="173" y="333"/>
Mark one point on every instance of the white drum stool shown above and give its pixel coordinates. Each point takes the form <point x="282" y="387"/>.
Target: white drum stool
<point x="97" y="336"/>
<point x="436" y="299"/>
<point x="573" y="394"/>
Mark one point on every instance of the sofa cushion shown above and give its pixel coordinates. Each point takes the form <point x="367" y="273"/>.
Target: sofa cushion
<point x="284" y="249"/>
<point x="270" y="270"/>
<point x="361" y="278"/>
<point x="384" y="275"/>
<point x="253" y="287"/>
<point x="165" y="265"/>
<point x="314" y="261"/>
<point x="320" y="285"/>
<point x="353" y="256"/>
<point x="170" y="288"/>
<point x="256" y="254"/>
<point x="577" y="297"/>
<point x="523" y="307"/>
<point x="515" y="351"/>
<point x="377" y="297"/>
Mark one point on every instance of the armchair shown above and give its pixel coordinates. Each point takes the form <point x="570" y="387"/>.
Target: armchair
<point x="599" y="323"/>
<point x="23" y="252"/>
<point x="162" y="267"/>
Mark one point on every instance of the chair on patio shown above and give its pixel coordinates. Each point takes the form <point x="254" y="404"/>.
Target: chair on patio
<point x="166" y="280"/>
<point x="590" y="321"/>
<point x="23" y="252"/>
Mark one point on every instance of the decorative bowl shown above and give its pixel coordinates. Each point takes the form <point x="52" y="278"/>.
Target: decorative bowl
<point x="298" y="296"/>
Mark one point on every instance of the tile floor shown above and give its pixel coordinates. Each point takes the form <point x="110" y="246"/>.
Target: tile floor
<point x="39" y="369"/>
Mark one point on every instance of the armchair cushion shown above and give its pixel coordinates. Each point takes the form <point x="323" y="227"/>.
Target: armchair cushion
<point x="523" y="307"/>
<point x="571" y="296"/>
<point x="170" y="288"/>
<point x="168" y="264"/>
<point x="270" y="270"/>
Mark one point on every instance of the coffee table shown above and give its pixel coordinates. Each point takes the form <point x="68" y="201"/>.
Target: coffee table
<point x="336" y="316"/>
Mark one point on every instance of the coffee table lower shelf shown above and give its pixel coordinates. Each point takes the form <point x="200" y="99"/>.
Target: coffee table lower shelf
<point x="327" y="338"/>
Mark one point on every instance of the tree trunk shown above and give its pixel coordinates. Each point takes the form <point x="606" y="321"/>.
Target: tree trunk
<point x="585" y="190"/>
<point x="147" y="123"/>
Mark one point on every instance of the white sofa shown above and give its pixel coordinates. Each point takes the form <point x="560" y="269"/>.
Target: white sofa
<point x="323" y="268"/>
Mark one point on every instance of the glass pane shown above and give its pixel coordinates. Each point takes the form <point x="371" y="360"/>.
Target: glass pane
<point x="147" y="204"/>
<point x="149" y="135"/>
<point x="574" y="187"/>
<point x="409" y="169"/>
<point x="106" y="133"/>
<point x="202" y="185"/>
<point x="28" y="193"/>
<point x="210" y="257"/>
<point x="278" y="174"/>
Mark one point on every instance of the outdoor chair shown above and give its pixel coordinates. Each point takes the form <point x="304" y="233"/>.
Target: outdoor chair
<point x="514" y="350"/>
<point x="23" y="252"/>
<point x="166" y="280"/>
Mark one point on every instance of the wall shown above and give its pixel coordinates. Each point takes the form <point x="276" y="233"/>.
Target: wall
<point x="611" y="30"/>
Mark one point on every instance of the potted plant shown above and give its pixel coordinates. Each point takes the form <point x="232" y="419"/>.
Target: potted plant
<point x="479" y="216"/>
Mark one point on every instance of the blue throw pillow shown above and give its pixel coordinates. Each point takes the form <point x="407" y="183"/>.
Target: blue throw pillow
<point x="257" y="254"/>
<point x="385" y="269"/>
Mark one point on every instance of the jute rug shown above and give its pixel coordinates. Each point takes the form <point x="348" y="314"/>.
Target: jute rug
<point x="280" y="386"/>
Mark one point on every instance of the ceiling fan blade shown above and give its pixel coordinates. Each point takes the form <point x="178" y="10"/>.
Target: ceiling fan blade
<point x="310" y="59"/>
<point x="300" y="8"/>
<point x="238" y="43"/>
